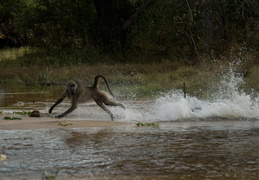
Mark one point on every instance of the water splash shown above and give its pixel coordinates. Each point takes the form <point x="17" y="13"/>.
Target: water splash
<point x="227" y="100"/>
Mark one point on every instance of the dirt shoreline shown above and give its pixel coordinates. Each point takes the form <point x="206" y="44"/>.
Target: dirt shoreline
<point x="51" y="123"/>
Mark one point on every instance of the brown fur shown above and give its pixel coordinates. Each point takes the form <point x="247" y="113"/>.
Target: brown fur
<point x="80" y="94"/>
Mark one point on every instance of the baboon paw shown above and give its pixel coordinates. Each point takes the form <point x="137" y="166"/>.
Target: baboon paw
<point x="112" y="117"/>
<point x="58" y="116"/>
<point x="116" y="116"/>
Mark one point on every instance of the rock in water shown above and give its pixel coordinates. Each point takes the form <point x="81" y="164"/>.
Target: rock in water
<point x="2" y="157"/>
<point x="35" y="113"/>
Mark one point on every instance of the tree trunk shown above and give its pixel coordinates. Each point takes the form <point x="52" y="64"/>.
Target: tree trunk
<point x="108" y="22"/>
<point x="106" y="11"/>
<point x="133" y="19"/>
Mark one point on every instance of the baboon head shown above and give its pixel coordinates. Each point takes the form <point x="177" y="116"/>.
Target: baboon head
<point x="72" y="87"/>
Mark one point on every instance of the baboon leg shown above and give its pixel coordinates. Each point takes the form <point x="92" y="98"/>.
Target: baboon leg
<point x="100" y="104"/>
<point x="112" y="103"/>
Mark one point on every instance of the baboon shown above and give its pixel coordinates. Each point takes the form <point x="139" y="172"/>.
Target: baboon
<point x="78" y="93"/>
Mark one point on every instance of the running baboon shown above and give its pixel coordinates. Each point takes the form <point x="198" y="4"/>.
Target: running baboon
<point x="80" y="94"/>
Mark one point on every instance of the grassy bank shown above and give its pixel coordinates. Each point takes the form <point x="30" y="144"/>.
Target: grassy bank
<point x="31" y="67"/>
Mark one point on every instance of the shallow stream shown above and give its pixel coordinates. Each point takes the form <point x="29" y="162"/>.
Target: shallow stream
<point x="215" y="138"/>
<point x="190" y="150"/>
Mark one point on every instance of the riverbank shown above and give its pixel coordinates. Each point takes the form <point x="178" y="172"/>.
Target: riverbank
<point x="32" y="68"/>
<point x="138" y="80"/>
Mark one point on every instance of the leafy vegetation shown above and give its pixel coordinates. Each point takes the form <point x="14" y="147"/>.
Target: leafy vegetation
<point x="166" y="44"/>
<point x="12" y="118"/>
<point x="94" y="31"/>
<point x="46" y="176"/>
<point x="64" y="124"/>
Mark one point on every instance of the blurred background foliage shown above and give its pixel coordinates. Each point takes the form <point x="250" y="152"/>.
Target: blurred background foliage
<point x="131" y="30"/>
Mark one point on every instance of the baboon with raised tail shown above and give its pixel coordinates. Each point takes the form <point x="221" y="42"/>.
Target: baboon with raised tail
<point x="78" y="93"/>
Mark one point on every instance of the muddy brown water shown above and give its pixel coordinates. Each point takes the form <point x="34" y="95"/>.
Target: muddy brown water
<point x="197" y="150"/>
<point x="27" y="98"/>
<point x="207" y="148"/>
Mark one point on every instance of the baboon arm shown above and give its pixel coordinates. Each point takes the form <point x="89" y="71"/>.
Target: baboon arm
<point x="56" y="103"/>
<point x="72" y="108"/>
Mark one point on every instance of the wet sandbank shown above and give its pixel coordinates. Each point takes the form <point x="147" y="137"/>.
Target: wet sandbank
<point x="52" y="123"/>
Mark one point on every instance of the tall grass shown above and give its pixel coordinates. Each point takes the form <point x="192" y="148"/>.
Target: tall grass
<point x="13" y="53"/>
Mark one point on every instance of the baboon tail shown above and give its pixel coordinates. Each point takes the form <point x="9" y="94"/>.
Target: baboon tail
<point x="96" y="81"/>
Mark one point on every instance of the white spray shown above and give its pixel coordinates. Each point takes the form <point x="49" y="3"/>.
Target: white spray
<point x="226" y="101"/>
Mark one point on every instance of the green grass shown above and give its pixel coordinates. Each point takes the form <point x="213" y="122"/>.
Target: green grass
<point x="13" y="53"/>
<point x="46" y="176"/>
<point x="12" y="118"/>
<point x="64" y="124"/>
<point x="37" y="68"/>
<point x="252" y="78"/>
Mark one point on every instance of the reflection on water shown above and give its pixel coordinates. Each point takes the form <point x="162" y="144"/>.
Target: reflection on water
<point x="176" y="150"/>
<point x="26" y="98"/>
